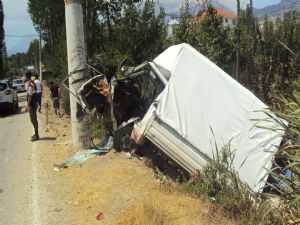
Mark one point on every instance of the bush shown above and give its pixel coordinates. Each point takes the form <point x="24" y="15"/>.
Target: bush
<point x="288" y="109"/>
<point x="65" y="96"/>
<point x="220" y="184"/>
<point x="96" y="128"/>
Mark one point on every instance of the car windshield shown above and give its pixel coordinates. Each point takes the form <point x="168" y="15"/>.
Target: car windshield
<point x="3" y="86"/>
<point x="18" y="82"/>
<point x="149" y="86"/>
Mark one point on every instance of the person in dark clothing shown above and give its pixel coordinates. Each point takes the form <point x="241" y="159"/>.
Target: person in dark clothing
<point x="32" y="108"/>
<point x="54" y="94"/>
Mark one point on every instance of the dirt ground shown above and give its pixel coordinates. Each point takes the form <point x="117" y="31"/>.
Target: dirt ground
<point x="123" y="190"/>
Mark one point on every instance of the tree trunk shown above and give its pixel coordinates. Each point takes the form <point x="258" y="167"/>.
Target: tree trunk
<point x="253" y="26"/>
<point x="108" y="23"/>
<point x="237" y="66"/>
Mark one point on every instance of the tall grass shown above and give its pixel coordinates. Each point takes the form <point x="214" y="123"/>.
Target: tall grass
<point x="220" y="184"/>
<point x="281" y="205"/>
<point x="288" y="187"/>
<point x="145" y="214"/>
<point x="96" y="128"/>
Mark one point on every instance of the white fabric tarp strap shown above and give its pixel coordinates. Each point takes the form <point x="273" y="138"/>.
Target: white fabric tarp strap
<point x="207" y="106"/>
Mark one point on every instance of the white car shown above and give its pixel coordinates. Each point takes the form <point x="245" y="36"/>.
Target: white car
<point x="19" y="85"/>
<point x="8" y="97"/>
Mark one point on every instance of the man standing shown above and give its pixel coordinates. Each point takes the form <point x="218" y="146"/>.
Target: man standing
<point x="54" y="94"/>
<point x="38" y="85"/>
<point x="32" y="108"/>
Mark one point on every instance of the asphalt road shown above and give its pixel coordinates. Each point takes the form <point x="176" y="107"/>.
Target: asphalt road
<point x="18" y="169"/>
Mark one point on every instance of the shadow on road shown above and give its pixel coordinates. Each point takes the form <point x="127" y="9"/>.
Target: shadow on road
<point x="6" y="113"/>
<point x="47" y="139"/>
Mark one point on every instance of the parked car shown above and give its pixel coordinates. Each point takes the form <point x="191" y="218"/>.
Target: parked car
<point x="190" y="109"/>
<point x="19" y="85"/>
<point x="8" y="97"/>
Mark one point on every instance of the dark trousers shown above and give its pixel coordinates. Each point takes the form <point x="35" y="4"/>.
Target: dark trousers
<point x="33" y="118"/>
<point x="39" y="99"/>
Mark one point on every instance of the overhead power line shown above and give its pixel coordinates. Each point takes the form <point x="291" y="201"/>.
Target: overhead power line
<point x="19" y="36"/>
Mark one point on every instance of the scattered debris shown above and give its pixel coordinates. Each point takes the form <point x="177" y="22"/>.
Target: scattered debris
<point x="106" y="143"/>
<point x="81" y="156"/>
<point x="160" y="177"/>
<point x="46" y="129"/>
<point x="65" y="144"/>
<point x="128" y="155"/>
<point x="100" y="216"/>
<point x="296" y="221"/>
<point x="57" y="210"/>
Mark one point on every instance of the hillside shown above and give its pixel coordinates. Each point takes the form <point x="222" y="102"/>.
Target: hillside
<point x="277" y="10"/>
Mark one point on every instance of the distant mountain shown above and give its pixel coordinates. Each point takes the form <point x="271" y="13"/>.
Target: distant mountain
<point x="277" y="10"/>
<point x="172" y="8"/>
<point x="221" y="6"/>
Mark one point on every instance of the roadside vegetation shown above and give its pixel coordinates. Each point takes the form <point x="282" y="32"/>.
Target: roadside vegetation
<point x="280" y="204"/>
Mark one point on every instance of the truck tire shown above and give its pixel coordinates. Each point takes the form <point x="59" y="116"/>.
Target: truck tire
<point x="122" y="141"/>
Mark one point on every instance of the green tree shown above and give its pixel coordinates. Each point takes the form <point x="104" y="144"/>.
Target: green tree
<point x="33" y="53"/>
<point x="215" y="41"/>
<point x="278" y="56"/>
<point x="48" y="17"/>
<point x="183" y="31"/>
<point x="140" y="33"/>
<point x="5" y="62"/>
<point x="137" y="33"/>
<point x="248" y="71"/>
<point x="2" y="43"/>
<point x="17" y="64"/>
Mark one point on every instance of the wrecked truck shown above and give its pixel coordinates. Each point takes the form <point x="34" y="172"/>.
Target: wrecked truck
<point x="189" y="108"/>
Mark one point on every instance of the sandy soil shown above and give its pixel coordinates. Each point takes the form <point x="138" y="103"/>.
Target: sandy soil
<point x="123" y="189"/>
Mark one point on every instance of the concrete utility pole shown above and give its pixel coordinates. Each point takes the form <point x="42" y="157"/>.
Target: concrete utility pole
<point x="76" y="66"/>
<point x="40" y="56"/>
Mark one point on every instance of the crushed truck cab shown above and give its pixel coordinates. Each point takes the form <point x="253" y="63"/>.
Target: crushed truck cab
<point x="189" y="108"/>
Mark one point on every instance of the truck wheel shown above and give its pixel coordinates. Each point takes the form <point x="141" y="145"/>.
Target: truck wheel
<point x="122" y="141"/>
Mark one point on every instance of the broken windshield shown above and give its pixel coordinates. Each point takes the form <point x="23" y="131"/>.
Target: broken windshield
<point x="134" y="94"/>
<point x="149" y="87"/>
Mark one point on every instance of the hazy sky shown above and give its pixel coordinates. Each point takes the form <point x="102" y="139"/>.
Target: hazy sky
<point x="17" y="21"/>
<point x="257" y="3"/>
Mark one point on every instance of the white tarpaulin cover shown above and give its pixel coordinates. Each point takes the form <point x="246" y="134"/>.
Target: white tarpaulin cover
<point x="205" y="105"/>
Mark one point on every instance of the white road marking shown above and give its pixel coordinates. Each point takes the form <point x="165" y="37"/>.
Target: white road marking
<point x="35" y="188"/>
